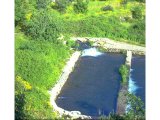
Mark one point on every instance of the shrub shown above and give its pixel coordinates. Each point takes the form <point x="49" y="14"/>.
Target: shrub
<point x="21" y="87"/>
<point x="107" y="8"/>
<point x="72" y="44"/>
<point x="136" y="12"/>
<point x="136" y="107"/>
<point x="61" y="5"/>
<point x="21" y="8"/>
<point x="137" y="31"/>
<point x="42" y="4"/>
<point x="81" y="6"/>
<point x="44" y="26"/>
<point x="123" y="70"/>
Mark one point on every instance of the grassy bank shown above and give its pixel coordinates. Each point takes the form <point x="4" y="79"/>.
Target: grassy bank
<point x="38" y="65"/>
<point x="118" y="23"/>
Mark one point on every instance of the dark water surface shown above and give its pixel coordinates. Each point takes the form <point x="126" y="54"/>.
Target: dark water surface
<point x="138" y="75"/>
<point x="93" y="86"/>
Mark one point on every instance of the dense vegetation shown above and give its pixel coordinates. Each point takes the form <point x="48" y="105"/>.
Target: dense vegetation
<point x="38" y="67"/>
<point x="124" y="71"/>
<point x="43" y="27"/>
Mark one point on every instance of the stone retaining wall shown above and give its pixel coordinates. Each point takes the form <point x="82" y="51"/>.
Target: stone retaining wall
<point x="122" y="98"/>
<point x="114" y="46"/>
<point x="58" y="86"/>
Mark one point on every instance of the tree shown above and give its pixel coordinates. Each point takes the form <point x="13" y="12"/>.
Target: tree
<point x="43" y="26"/>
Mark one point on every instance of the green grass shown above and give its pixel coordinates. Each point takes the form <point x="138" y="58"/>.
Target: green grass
<point x="39" y="63"/>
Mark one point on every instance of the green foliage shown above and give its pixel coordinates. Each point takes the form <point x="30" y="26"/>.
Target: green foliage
<point x="61" y="5"/>
<point x="123" y="70"/>
<point x="38" y="67"/>
<point x="140" y="1"/>
<point x="21" y="7"/>
<point x="136" y="108"/>
<point x="42" y="4"/>
<point x="81" y="6"/>
<point x="136" y="12"/>
<point x="44" y="26"/>
<point x="72" y="44"/>
<point x="21" y="87"/>
<point x="107" y="8"/>
<point x="123" y="2"/>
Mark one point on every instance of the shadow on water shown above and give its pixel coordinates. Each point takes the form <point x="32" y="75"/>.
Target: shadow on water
<point x="92" y="88"/>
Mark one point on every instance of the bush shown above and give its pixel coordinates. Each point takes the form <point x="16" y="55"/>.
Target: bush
<point x="123" y="70"/>
<point x="21" y="87"/>
<point x="81" y="6"/>
<point x="44" y="26"/>
<point x="107" y="8"/>
<point x="72" y="44"/>
<point x="136" y="107"/>
<point x="21" y="8"/>
<point x="136" y="12"/>
<point x="61" y="5"/>
<point x="42" y="4"/>
<point x="137" y="31"/>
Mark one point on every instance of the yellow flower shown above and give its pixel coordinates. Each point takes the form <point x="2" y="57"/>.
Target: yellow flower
<point x="25" y="84"/>
<point x="28" y="16"/>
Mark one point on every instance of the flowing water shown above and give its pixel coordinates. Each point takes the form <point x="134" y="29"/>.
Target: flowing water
<point x="137" y="78"/>
<point x="92" y="88"/>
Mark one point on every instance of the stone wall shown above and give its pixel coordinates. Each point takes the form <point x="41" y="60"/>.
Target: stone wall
<point x="114" y="46"/>
<point x="122" y="96"/>
<point x="58" y="86"/>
